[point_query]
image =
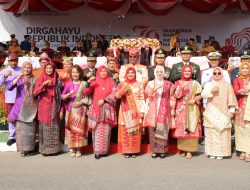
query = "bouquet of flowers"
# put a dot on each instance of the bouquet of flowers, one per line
(134, 43)
(3, 110)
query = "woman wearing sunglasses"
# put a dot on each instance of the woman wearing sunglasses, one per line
(220, 109)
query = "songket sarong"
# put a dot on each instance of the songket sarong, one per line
(101, 138)
(157, 145)
(187, 145)
(130, 143)
(242, 138)
(218, 132)
(218, 143)
(25, 136)
(78, 131)
(77, 121)
(76, 141)
(49, 139)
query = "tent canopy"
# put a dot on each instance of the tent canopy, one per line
(155, 7)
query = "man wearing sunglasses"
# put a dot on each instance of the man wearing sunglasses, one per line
(160, 56)
(176, 72)
(214, 60)
(141, 70)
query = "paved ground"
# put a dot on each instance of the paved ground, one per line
(116, 172)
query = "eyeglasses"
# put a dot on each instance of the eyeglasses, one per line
(219, 73)
(132, 56)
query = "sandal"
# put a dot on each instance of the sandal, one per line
(247, 158)
(78, 154)
(219, 158)
(242, 156)
(189, 155)
(183, 154)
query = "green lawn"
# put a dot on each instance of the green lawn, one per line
(4, 136)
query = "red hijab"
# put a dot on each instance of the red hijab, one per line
(102, 88)
(50, 88)
(126, 75)
(182, 71)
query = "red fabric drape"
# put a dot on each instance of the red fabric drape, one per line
(109, 6)
(204, 6)
(158, 7)
(155, 7)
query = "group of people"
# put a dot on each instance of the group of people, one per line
(165, 102)
(203, 49)
(82, 47)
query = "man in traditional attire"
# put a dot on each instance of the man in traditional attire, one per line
(64, 74)
(6, 77)
(44, 58)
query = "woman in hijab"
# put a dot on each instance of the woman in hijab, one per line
(220, 109)
(157, 115)
(24, 110)
(48, 89)
(131, 113)
(102, 113)
(242, 120)
(187, 128)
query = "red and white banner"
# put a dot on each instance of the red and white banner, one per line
(54, 26)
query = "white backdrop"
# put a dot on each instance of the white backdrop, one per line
(74, 24)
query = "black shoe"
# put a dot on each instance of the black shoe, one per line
(133, 156)
(162, 156)
(154, 155)
(98, 156)
(22, 153)
(126, 155)
(11, 142)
